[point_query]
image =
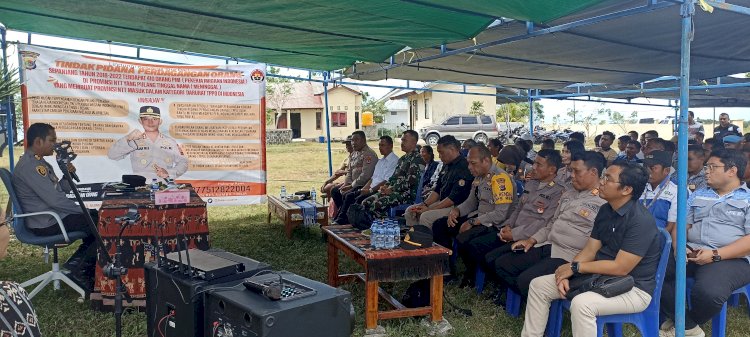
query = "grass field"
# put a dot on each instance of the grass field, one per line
(242, 230)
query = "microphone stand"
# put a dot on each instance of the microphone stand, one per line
(112, 270)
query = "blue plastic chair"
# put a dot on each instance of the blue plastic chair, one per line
(719, 321)
(25, 236)
(647, 321)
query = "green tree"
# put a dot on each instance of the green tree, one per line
(278, 92)
(477, 108)
(633, 117)
(572, 113)
(618, 119)
(378, 108)
(519, 112)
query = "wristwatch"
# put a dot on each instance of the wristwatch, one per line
(574, 267)
(473, 221)
(716, 257)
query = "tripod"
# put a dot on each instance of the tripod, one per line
(113, 268)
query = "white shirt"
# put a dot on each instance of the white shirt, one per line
(384, 169)
(664, 209)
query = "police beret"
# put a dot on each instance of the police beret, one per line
(150, 111)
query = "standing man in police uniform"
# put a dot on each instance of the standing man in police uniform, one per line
(152, 154)
(490, 202)
(402, 186)
(39, 190)
(452, 187)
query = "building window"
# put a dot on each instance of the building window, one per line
(346, 107)
(338, 107)
(426, 108)
(394, 113)
(338, 119)
(330, 108)
(414, 111)
(318, 120)
(356, 107)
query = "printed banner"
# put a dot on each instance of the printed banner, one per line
(203, 125)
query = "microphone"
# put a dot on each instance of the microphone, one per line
(272, 292)
(65, 155)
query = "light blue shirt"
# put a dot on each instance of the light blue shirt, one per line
(664, 208)
(384, 169)
(718, 221)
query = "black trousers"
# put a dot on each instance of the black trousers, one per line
(76, 223)
(443, 234)
(474, 244)
(350, 198)
(714, 283)
(516, 270)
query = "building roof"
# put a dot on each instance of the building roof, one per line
(304, 96)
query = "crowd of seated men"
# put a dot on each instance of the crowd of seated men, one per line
(532, 221)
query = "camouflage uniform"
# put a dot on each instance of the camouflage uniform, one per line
(403, 183)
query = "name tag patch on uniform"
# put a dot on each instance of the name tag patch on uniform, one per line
(42, 170)
(502, 189)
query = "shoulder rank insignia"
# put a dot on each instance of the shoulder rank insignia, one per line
(595, 191)
(551, 183)
(42, 170)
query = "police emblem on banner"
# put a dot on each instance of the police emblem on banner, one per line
(257, 76)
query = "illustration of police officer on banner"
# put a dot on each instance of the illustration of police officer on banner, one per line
(152, 153)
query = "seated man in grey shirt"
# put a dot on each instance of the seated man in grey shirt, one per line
(718, 223)
(38, 189)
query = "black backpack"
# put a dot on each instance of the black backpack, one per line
(359, 216)
(417, 295)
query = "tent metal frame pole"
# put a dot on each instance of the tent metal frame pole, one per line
(536, 33)
(639, 91)
(687, 10)
(531, 113)
(328, 122)
(9, 120)
(669, 105)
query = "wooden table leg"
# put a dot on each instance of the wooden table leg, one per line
(268, 221)
(371, 304)
(288, 227)
(436, 298)
(333, 265)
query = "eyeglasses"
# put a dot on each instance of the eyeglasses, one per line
(711, 167)
(606, 179)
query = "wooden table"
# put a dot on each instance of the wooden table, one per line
(387, 266)
(190, 219)
(291, 214)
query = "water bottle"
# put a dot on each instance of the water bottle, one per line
(154, 188)
(388, 241)
(374, 234)
(396, 234)
(313, 194)
(283, 192)
(380, 235)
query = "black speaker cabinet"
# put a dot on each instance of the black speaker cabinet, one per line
(175, 302)
(307, 309)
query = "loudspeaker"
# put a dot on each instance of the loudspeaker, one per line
(306, 309)
(175, 302)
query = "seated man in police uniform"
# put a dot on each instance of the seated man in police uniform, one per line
(38, 189)
(562, 237)
(152, 153)
(718, 223)
(492, 199)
